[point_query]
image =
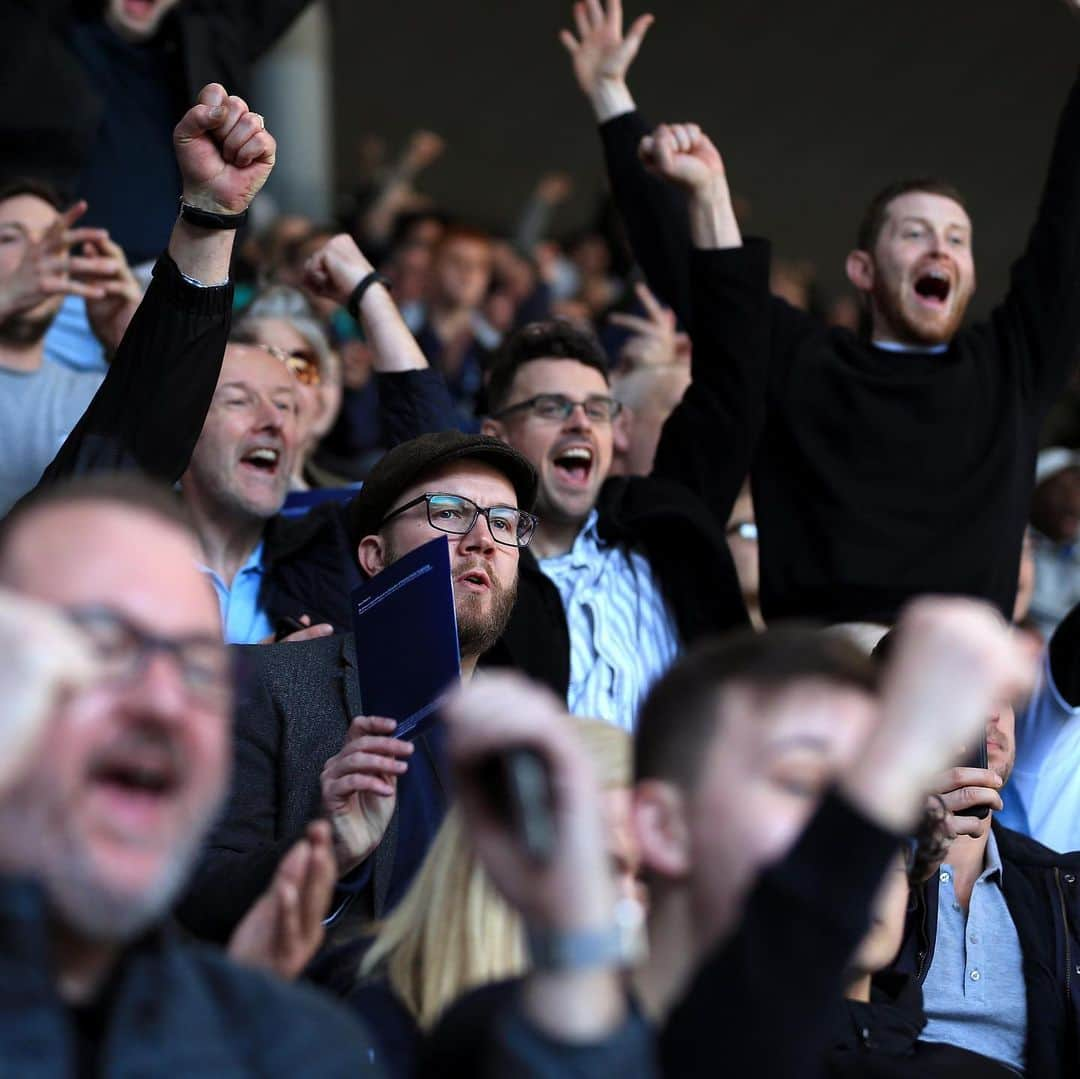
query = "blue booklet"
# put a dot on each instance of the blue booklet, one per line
(406, 638)
(299, 503)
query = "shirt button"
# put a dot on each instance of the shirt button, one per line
(943, 877)
(1069, 878)
(974, 939)
(975, 975)
(956, 906)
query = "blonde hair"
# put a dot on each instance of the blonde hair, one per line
(453, 931)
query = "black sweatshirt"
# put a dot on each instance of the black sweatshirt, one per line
(766, 1002)
(881, 476)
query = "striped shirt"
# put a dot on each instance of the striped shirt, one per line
(622, 634)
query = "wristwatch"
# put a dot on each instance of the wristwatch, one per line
(208, 219)
(621, 944)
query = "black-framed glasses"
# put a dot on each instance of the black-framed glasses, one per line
(556, 407)
(457, 514)
(124, 650)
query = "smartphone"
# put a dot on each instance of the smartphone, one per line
(975, 757)
(517, 785)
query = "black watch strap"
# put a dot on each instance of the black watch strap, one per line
(208, 219)
(352, 305)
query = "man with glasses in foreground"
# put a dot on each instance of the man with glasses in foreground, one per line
(304, 748)
(101, 822)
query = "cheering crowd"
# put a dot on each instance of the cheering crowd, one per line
(782, 598)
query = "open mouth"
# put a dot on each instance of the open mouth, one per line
(150, 778)
(574, 465)
(933, 287)
(475, 580)
(133, 792)
(263, 459)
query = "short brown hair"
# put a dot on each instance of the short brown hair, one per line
(552, 339)
(28, 185)
(681, 713)
(873, 220)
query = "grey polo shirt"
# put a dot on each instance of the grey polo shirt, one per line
(974, 992)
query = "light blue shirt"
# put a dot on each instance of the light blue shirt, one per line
(974, 993)
(1042, 798)
(243, 621)
(914, 350)
(622, 635)
(70, 341)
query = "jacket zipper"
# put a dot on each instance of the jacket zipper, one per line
(1068, 942)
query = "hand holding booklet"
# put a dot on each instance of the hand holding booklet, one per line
(405, 626)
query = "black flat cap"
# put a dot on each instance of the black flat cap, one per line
(406, 464)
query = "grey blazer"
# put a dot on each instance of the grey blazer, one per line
(293, 711)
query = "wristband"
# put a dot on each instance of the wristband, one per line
(621, 944)
(352, 305)
(208, 219)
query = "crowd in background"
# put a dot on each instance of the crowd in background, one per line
(779, 592)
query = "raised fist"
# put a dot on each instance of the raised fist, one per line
(224, 152)
(336, 269)
(684, 155)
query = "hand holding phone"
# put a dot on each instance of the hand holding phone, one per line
(531, 802)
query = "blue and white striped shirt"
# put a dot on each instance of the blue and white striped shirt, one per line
(622, 635)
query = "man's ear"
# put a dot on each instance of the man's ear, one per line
(494, 428)
(860, 270)
(659, 816)
(371, 554)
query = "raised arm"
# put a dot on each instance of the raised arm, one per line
(413, 398)
(571, 1017)
(150, 409)
(654, 213)
(1039, 319)
(708, 442)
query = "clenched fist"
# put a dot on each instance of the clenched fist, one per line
(224, 152)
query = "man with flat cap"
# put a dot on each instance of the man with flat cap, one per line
(303, 746)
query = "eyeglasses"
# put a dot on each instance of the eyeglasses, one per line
(303, 365)
(457, 515)
(553, 406)
(124, 651)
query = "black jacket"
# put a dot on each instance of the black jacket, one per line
(1043, 898)
(879, 1040)
(172, 1008)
